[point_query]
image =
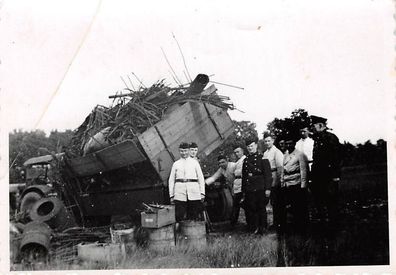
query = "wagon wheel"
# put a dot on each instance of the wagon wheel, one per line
(219, 204)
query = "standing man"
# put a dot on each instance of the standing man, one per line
(305, 144)
(294, 183)
(275, 158)
(239, 153)
(256, 186)
(186, 186)
(193, 150)
(281, 144)
(226, 169)
(326, 169)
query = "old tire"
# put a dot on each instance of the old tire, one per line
(35, 242)
(53, 212)
(28, 201)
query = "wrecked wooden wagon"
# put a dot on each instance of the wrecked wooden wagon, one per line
(114, 181)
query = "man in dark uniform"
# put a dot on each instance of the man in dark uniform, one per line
(256, 186)
(325, 172)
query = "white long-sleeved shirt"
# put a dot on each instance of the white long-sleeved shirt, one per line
(294, 169)
(228, 173)
(306, 146)
(238, 174)
(182, 169)
(275, 158)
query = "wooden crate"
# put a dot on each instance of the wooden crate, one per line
(160, 217)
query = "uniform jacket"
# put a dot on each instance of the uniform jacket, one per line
(238, 175)
(188, 168)
(275, 158)
(326, 156)
(256, 173)
(294, 169)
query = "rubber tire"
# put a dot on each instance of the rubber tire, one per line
(56, 217)
(28, 201)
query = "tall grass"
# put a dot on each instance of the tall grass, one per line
(227, 251)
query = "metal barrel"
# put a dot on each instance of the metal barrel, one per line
(52, 211)
(192, 234)
(35, 240)
(161, 239)
(101, 252)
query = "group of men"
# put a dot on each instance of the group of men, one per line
(281, 176)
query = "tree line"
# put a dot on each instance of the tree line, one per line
(26, 144)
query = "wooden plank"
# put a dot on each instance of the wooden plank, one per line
(222, 120)
(113, 157)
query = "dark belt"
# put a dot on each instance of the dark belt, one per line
(273, 170)
(186, 180)
(238, 177)
(292, 173)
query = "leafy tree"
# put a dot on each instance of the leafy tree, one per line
(242, 130)
(289, 125)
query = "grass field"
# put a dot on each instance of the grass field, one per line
(360, 238)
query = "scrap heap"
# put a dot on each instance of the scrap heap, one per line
(134, 112)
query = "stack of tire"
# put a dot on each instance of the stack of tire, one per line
(43, 214)
(40, 207)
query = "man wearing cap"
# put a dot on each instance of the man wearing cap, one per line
(193, 150)
(326, 169)
(256, 186)
(305, 144)
(275, 158)
(186, 185)
(294, 184)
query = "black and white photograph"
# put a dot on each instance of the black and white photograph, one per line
(211, 136)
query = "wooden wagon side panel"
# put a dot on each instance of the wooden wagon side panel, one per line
(204, 124)
(110, 158)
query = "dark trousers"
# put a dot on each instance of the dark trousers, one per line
(236, 208)
(325, 196)
(297, 198)
(278, 205)
(256, 202)
(188, 210)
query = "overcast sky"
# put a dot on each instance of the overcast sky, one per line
(333, 58)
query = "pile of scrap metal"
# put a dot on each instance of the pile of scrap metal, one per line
(37, 243)
(136, 111)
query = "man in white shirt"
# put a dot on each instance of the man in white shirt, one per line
(186, 186)
(294, 183)
(226, 169)
(238, 195)
(305, 144)
(275, 158)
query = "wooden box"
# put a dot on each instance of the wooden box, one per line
(161, 217)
